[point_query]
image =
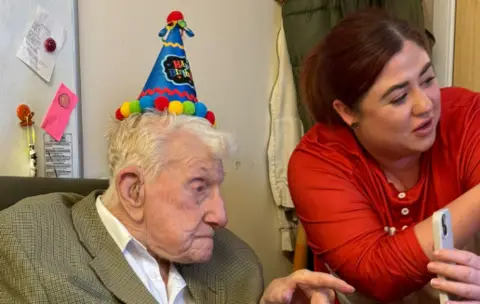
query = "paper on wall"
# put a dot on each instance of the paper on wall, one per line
(58, 114)
(33, 52)
(58, 156)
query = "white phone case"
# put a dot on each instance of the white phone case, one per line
(443, 238)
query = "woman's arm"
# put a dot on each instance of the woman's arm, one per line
(465, 215)
(343, 227)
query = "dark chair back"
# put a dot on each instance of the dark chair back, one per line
(14, 189)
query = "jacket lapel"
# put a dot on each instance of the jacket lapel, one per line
(108, 261)
(204, 286)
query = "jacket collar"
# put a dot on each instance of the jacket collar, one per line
(108, 261)
(109, 264)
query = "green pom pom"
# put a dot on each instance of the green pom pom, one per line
(188, 108)
(135, 107)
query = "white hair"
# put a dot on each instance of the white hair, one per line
(139, 140)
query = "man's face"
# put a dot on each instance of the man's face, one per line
(183, 205)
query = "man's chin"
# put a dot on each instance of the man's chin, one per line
(204, 259)
(196, 257)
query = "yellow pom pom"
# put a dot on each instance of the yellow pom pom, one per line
(125, 109)
(175, 107)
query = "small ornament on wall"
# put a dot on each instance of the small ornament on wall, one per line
(25, 115)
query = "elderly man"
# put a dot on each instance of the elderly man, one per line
(154, 236)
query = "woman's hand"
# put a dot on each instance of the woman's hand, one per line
(462, 279)
(304, 287)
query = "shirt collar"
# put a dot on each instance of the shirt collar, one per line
(115, 228)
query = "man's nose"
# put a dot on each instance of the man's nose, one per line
(216, 215)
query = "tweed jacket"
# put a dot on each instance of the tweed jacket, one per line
(55, 249)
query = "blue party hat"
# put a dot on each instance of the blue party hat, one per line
(170, 85)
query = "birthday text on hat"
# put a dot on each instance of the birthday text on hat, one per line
(177, 70)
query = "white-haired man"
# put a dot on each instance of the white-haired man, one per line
(154, 236)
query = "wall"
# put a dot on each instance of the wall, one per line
(232, 60)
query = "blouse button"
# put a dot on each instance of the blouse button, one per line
(405, 211)
(401, 195)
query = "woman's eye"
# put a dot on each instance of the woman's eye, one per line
(399, 99)
(428, 81)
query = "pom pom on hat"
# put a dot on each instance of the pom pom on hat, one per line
(175, 107)
(210, 117)
(188, 107)
(135, 107)
(175, 16)
(118, 115)
(125, 109)
(161, 103)
(147, 102)
(200, 109)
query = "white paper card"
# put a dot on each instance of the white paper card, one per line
(58, 156)
(33, 52)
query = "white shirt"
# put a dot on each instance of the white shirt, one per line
(144, 265)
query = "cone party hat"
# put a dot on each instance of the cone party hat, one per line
(170, 86)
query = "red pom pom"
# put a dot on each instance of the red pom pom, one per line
(175, 16)
(119, 115)
(210, 117)
(161, 103)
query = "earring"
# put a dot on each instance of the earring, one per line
(355, 125)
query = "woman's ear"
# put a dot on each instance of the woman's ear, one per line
(346, 113)
(129, 184)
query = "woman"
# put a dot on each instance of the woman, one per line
(389, 149)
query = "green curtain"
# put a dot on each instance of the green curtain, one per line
(306, 22)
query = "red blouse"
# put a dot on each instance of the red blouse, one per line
(348, 208)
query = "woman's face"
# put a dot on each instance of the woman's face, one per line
(400, 112)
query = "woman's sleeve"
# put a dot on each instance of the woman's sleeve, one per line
(343, 228)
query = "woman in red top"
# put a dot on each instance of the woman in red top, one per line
(389, 149)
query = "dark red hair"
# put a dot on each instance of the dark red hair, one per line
(346, 63)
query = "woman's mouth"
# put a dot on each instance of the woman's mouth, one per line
(424, 129)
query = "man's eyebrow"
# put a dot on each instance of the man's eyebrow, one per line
(404, 84)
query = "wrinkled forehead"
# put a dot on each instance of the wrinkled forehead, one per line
(188, 153)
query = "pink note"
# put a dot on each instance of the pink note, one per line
(58, 114)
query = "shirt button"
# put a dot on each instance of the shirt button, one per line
(405, 211)
(404, 227)
(401, 195)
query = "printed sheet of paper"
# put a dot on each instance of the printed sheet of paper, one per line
(33, 52)
(58, 114)
(58, 156)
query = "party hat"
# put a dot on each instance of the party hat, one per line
(170, 86)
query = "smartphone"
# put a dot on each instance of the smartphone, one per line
(443, 238)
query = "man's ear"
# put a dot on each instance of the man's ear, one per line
(345, 112)
(129, 183)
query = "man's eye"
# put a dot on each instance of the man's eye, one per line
(200, 188)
